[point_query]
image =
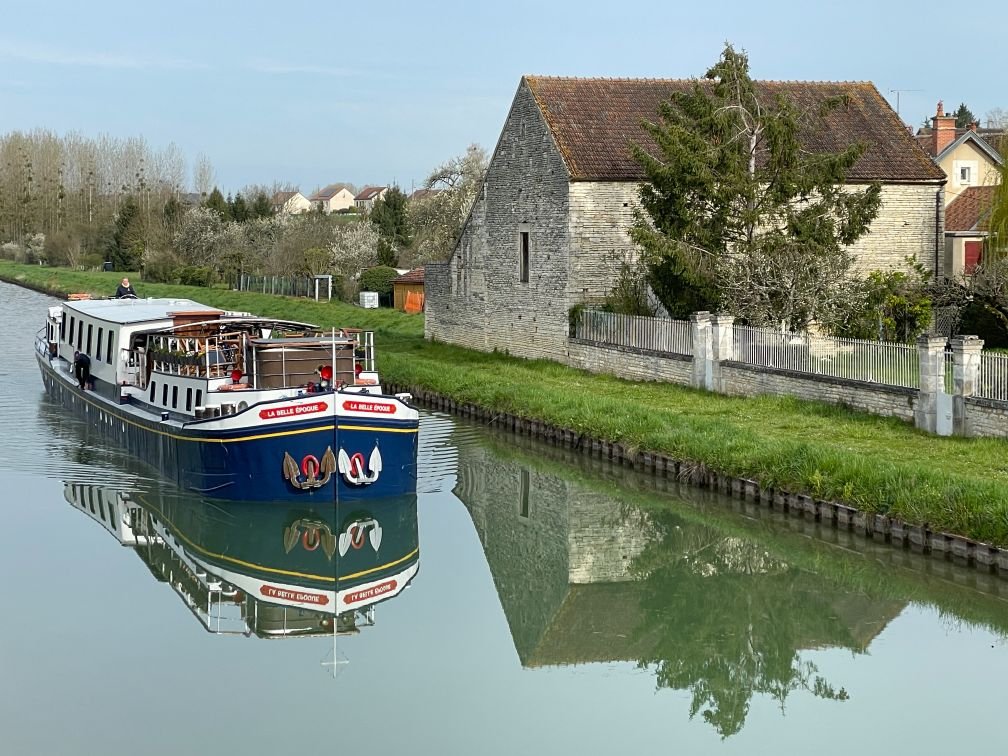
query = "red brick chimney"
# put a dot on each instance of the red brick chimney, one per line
(944, 131)
(973, 126)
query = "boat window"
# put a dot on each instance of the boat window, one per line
(63, 327)
(90, 329)
(164, 395)
(72, 324)
(199, 397)
(153, 388)
(98, 350)
(80, 335)
(174, 397)
(188, 400)
(111, 338)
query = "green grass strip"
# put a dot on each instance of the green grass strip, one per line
(878, 464)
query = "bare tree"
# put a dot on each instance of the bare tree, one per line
(204, 177)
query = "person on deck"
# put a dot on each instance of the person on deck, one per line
(82, 370)
(125, 290)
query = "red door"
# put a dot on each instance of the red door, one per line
(974, 249)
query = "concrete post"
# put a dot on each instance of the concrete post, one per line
(722, 347)
(931, 352)
(966, 351)
(700, 329)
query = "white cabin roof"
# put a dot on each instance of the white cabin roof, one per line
(136, 310)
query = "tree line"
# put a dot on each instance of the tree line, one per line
(78, 201)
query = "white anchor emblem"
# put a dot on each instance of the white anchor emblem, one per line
(353, 470)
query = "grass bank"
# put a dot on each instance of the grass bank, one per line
(876, 464)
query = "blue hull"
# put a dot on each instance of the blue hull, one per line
(278, 462)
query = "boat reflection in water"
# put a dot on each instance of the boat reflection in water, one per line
(269, 569)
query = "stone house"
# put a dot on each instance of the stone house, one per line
(549, 228)
(333, 198)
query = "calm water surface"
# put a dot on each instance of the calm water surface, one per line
(561, 607)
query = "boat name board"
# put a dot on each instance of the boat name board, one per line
(292, 410)
(285, 594)
(353, 405)
(370, 593)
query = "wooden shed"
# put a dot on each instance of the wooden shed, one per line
(408, 291)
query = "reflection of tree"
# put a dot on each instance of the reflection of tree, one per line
(730, 619)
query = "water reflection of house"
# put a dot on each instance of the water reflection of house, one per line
(566, 556)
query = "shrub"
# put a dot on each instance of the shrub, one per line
(195, 275)
(378, 279)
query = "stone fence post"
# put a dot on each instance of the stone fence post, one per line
(966, 355)
(700, 330)
(722, 347)
(931, 353)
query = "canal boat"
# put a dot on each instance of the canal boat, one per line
(233, 405)
(273, 570)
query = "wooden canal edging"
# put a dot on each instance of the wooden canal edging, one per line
(877, 527)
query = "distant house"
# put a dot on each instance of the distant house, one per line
(290, 203)
(966, 229)
(192, 199)
(550, 226)
(409, 288)
(333, 198)
(965, 155)
(365, 200)
(422, 194)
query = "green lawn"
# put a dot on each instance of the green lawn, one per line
(878, 464)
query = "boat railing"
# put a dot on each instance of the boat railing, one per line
(196, 356)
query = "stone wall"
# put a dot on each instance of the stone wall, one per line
(985, 417)
(525, 191)
(627, 362)
(739, 379)
(905, 227)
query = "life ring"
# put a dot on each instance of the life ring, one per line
(310, 461)
(313, 544)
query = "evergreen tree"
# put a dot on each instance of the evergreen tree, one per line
(216, 202)
(390, 217)
(128, 239)
(964, 116)
(261, 206)
(738, 215)
(239, 208)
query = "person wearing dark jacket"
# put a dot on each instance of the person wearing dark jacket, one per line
(82, 369)
(125, 291)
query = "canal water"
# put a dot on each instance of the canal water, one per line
(561, 607)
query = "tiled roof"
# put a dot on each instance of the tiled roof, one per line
(424, 193)
(970, 211)
(370, 192)
(415, 276)
(279, 198)
(328, 192)
(595, 120)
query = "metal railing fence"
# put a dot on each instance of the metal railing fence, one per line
(638, 332)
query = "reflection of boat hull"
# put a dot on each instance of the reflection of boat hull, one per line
(248, 463)
(328, 559)
(284, 569)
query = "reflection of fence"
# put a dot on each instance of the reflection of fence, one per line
(638, 332)
(855, 359)
(992, 380)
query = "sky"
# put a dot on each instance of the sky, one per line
(382, 91)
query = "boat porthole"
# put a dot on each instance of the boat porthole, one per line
(242, 406)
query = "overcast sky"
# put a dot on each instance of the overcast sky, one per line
(381, 91)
